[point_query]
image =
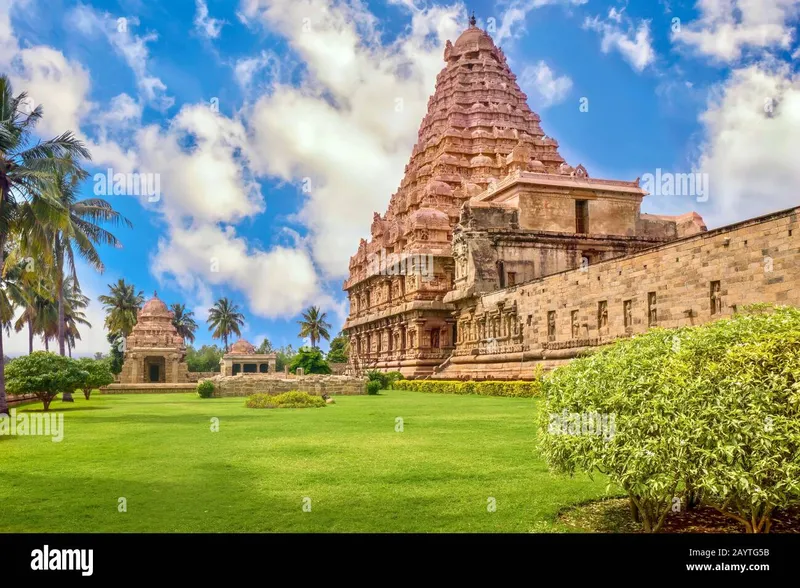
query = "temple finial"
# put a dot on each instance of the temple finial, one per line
(472, 21)
(155, 294)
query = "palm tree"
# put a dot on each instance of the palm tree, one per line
(26, 167)
(74, 303)
(77, 232)
(314, 326)
(224, 319)
(122, 306)
(183, 321)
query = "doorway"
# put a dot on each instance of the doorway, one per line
(153, 373)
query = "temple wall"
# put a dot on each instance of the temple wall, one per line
(671, 285)
(247, 384)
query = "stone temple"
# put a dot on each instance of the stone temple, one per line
(154, 352)
(496, 255)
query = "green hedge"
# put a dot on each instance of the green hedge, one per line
(488, 388)
(294, 399)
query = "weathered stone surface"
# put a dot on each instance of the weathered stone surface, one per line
(486, 201)
(154, 348)
(504, 333)
(247, 384)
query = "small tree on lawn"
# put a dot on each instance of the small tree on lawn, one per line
(44, 374)
(99, 374)
(311, 360)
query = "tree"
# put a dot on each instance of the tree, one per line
(117, 353)
(224, 320)
(77, 232)
(26, 167)
(313, 326)
(183, 321)
(339, 351)
(98, 374)
(122, 306)
(44, 374)
(74, 303)
(285, 357)
(311, 360)
(205, 359)
(265, 347)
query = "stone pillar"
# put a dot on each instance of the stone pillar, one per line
(175, 376)
(134, 368)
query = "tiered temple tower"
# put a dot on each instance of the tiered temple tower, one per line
(481, 158)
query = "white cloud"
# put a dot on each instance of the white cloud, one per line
(751, 143)
(727, 28)
(359, 93)
(619, 33)
(131, 47)
(513, 15)
(204, 24)
(543, 87)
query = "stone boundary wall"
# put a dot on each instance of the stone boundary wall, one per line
(148, 388)
(754, 261)
(193, 377)
(247, 384)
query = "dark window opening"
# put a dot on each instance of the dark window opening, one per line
(581, 216)
(501, 274)
(263, 368)
(512, 278)
(250, 368)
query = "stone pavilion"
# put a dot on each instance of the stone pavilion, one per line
(243, 359)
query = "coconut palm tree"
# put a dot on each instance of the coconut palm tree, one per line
(78, 232)
(313, 326)
(26, 167)
(74, 303)
(122, 305)
(224, 319)
(183, 321)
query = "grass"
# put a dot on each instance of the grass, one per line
(159, 453)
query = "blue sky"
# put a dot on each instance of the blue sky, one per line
(273, 129)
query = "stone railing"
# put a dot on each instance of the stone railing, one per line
(245, 385)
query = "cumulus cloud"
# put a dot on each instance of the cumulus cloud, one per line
(514, 12)
(726, 29)
(131, 47)
(204, 24)
(543, 87)
(620, 33)
(358, 93)
(751, 143)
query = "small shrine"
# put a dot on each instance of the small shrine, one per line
(243, 359)
(154, 351)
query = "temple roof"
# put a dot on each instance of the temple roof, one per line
(242, 347)
(154, 327)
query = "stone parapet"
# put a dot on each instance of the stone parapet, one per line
(247, 384)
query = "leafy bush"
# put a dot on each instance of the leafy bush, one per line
(205, 389)
(711, 410)
(386, 379)
(205, 359)
(373, 387)
(489, 388)
(292, 399)
(311, 360)
(44, 374)
(339, 351)
(98, 375)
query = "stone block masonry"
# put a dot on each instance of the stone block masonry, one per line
(691, 281)
(247, 384)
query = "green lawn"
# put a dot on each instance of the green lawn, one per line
(159, 453)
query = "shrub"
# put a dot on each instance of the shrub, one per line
(381, 377)
(98, 375)
(373, 387)
(310, 360)
(205, 388)
(45, 375)
(393, 377)
(489, 388)
(292, 399)
(712, 410)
